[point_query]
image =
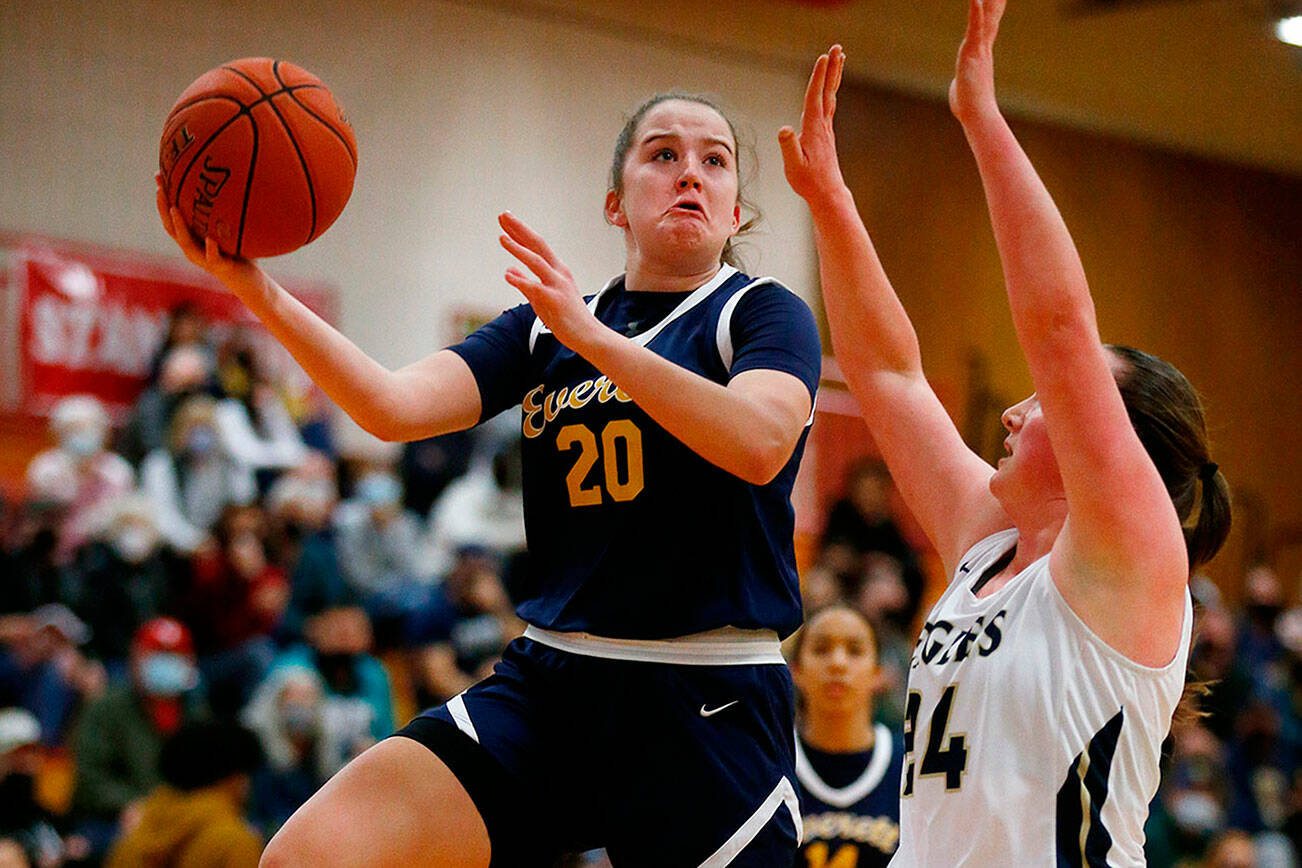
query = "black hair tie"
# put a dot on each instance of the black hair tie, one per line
(1208, 470)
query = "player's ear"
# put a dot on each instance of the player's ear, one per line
(736, 218)
(615, 215)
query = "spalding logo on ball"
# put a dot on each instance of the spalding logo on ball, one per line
(258, 155)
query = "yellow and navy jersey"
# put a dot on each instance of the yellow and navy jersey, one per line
(631, 534)
(849, 803)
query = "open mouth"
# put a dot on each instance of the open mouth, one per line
(688, 206)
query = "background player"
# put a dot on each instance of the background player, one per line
(1045, 678)
(848, 767)
(664, 419)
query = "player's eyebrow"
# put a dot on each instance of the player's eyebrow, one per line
(653, 135)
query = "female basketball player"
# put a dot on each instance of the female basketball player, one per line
(1045, 678)
(647, 709)
(848, 768)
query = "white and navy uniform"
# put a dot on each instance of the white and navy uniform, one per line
(850, 803)
(647, 709)
(1028, 740)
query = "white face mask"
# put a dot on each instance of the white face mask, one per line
(135, 544)
(1196, 812)
(83, 442)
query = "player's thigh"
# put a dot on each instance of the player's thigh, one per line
(395, 805)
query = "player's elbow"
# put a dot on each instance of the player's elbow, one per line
(763, 459)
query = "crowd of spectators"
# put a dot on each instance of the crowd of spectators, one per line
(207, 609)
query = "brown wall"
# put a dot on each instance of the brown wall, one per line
(1195, 261)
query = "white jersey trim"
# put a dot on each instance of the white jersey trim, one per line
(723, 332)
(698, 295)
(727, 646)
(461, 716)
(844, 797)
(783, 794)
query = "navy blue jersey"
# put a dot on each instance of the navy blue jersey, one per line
(850, 804)
(631, 534)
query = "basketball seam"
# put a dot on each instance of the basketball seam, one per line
(242, 74)
(248, 188)
(325, 123)
(302, 161)
(206, 141)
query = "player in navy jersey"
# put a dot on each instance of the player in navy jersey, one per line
(848, 767)
(647, 708)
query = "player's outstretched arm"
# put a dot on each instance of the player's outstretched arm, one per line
(944, 483)
(1122, 532)
(432, 396)
(749, 427)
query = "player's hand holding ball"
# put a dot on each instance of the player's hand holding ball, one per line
(256, 159)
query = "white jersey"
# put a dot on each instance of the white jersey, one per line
(1029, 741)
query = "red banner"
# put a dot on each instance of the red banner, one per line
(82, 321)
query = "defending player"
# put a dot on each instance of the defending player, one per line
(647, 709)
(847, 767)
(1044, 680)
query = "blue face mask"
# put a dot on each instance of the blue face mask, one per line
(379, 490)
(163, 674)
(201, 441)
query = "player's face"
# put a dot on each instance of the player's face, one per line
(679, 203)
(836, 670)
(1030, 466)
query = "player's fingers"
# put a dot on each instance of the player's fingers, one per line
(972, 36)
(530, 259)
(814, 92)
(181, 235)
(792, 156)
(994, 13)
(530, 289)
(160, 199)
(836, 60)
(520, 231)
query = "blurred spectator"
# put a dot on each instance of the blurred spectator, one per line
(32, 575)
(118, 739)
(43, 670)
(196, 818)
(377, 538)
(301, 505)
(360, 705)
(289, 714)
(428, 466)
(186, 327)
(78, 477)
(253, 421)
(1260, 765)
(861, 523)
(1213, 660)
(484, 508)
(193, 479)
(233, 604)
(463, 629)
(24, 822)
(122, 580)
(1231, 849)
(1260, 651)
(883, 598)
(185, 371)
(1192, 801)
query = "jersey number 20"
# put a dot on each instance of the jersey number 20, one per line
(622, 486)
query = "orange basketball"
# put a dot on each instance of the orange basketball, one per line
(259, 156)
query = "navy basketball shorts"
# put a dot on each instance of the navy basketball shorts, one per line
(665, 765)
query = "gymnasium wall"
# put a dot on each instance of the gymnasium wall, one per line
(1195, 261)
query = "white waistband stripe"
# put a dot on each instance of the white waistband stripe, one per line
(727, 647)
(461, 716)
(783, 793)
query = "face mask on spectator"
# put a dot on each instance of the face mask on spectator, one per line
(299, 719)
(1197, 813)
(200, 441)
(83, 442)
(167, 675)
(134, 544)
(378, 489)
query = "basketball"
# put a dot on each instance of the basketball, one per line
(258, 155)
